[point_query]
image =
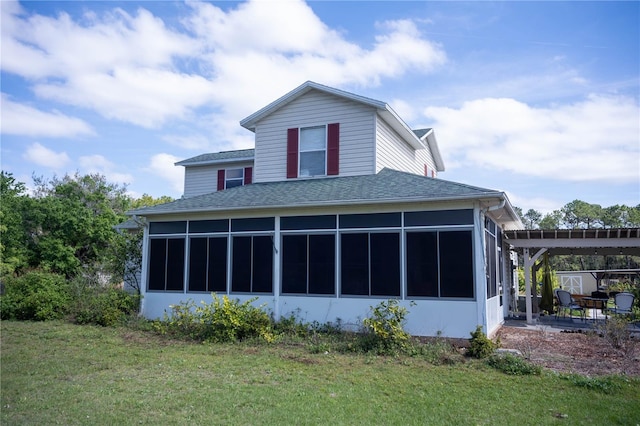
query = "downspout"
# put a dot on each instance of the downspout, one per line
(481, 231)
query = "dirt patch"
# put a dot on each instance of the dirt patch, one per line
(567, 352)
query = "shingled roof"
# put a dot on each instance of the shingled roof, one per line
(388, 186)
(219, 157)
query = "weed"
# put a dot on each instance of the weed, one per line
(513, 365)
(607, 384)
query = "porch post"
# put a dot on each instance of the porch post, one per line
(527, 285)
(528, 263)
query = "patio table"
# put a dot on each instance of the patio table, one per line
(594, 303)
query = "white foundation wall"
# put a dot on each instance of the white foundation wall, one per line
(448, 318)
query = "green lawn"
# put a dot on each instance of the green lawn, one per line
(58, 373)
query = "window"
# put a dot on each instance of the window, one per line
(208, 264)
(370, 264)
(166, 264)
(313, 151)
(308, 264)
(252, 264)
(440, 264)
(230, 178)
(233, 178)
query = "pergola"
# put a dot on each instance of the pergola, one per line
(534, 243)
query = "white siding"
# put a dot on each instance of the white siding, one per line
(357, 125)
(200, 180)
(393, 152)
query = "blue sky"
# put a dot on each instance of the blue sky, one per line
(538, 99)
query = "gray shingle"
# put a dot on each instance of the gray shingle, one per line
(421, 132)
(218, 157)
(386, 186)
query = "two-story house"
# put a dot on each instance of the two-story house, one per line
(337, 208)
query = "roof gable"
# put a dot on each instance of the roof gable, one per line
(383, 110)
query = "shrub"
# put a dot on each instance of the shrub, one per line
(36, 295)
(514, 365)
(106, 306)
(291, 326)
(222, 320)
(480, 345)
(385, 332)
(615, 330)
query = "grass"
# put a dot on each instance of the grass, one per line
(60, 373)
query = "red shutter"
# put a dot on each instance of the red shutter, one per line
(220, 180)
(248, 175)
(292, 153)
(333, 149)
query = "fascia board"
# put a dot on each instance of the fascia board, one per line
(430, 138)
(397, 124)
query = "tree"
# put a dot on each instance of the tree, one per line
(581, 215)
(13, 240)
(551, 220)
(70, 226)
(532, 219)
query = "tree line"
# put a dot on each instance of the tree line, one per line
(66, 226)
(582, 215)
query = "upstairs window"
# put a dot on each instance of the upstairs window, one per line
(313, 151)
(233, 178)
(230, 178)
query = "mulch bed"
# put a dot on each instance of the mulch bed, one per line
(584, 353)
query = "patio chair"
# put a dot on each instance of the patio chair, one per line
(566, 302)
(624, 304)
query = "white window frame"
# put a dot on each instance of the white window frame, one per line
(235, 179)
(302, 151)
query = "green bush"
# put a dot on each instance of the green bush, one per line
(480, 345)
(514, 365)
(106, 306)
(222, 320)
(36, 295)
(384, 329)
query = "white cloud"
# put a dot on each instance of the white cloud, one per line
(122, 66)
(23, 120)
(163, 166)
(131, 67)
(146, 97)
(260, 50)
(189, 141)
(593, 140)
(43, 156)
(99, 164)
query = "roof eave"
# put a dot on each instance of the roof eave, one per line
(430, 138)
(210, 162)
(475, 197)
